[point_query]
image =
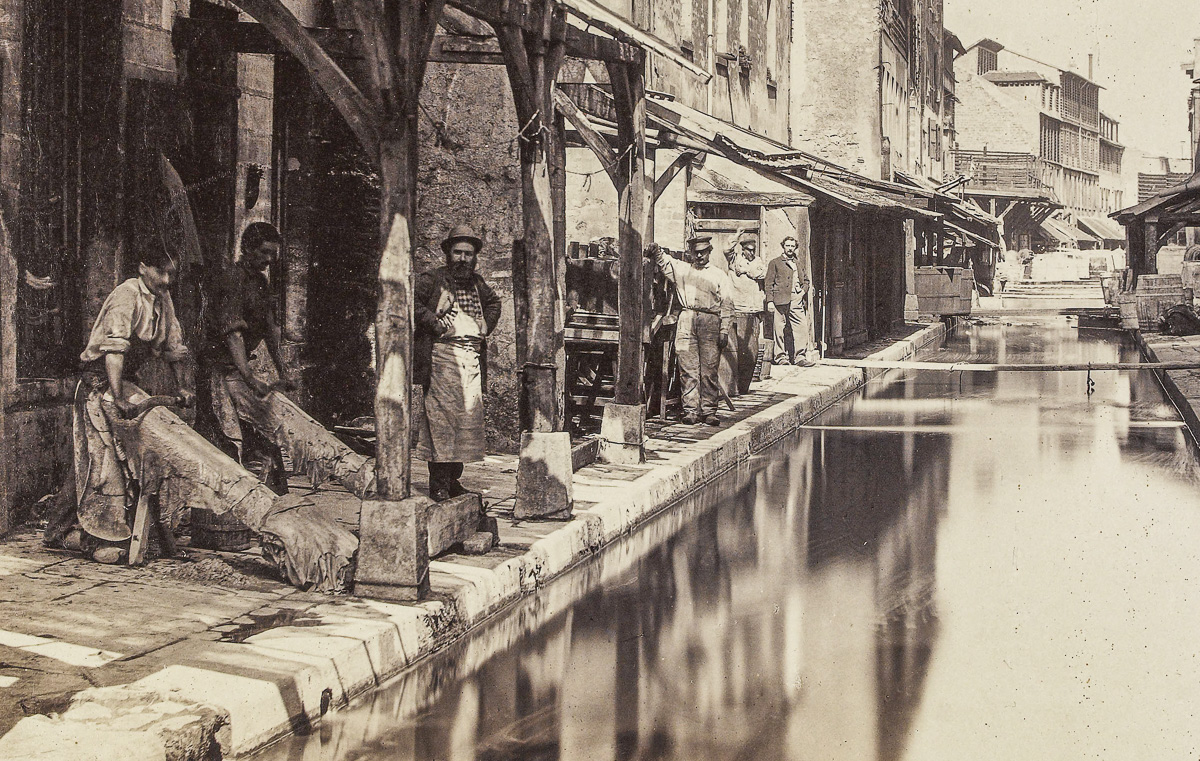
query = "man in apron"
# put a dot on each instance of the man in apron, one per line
(454, 311)
(705, 295)
(136, 322)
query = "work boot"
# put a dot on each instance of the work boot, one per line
(712, 420)
(690, 418)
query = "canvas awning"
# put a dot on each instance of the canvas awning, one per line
(1101, 228)
(721, 180)
(1065, 233)
(771, 158)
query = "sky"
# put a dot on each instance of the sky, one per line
(1139, 47)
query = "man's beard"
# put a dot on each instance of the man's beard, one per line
(461, 271)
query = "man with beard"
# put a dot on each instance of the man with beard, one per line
(454, 312)
(787, 286)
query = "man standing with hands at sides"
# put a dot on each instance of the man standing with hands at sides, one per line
(787, 286)
(454, 311)
(746, 273)
(705, 295)
(244, 318)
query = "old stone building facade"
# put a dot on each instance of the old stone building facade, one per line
(1030, 130)
(873, 87)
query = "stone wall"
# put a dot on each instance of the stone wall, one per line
(987, 117)
(835, 87)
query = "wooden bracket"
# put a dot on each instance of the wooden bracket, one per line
(591, 138)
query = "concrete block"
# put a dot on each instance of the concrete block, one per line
(622, 434)
(393, 550)
(489, 525)
(479, 544)
(44, 739)
(452, 522)
(911, 310)
(258, 712)
(545, 477)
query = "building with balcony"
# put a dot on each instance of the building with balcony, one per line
(1033, 140)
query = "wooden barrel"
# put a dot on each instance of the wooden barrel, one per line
(222, 532)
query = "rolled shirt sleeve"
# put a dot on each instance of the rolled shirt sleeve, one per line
(113, 329)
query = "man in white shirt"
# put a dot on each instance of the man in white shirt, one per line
(704, 293)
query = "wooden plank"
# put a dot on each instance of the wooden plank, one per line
(1008, 367)
(595, 142)
(750, 198)
(451, 49)
(141, 531)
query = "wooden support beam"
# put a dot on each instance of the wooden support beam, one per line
(579, 43)
(672, 171)
(452, 49)
(596, 142)
(252, 37)
(1150, 252)
(362, 116)
(635, 192)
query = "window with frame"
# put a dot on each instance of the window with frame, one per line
(987, 61)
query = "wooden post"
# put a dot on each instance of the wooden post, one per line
(1150, 252)
(629, 94)
(532, 59)
(622, 432)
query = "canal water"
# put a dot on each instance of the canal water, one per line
(945, 566)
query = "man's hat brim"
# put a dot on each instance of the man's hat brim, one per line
(449, 242)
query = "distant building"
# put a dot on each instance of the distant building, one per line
(1038, 149)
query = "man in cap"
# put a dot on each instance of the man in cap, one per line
(746, 272)
(787, 286)
(455, 310)
(705, 296)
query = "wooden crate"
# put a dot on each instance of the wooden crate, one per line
(944, 290)
(1156, 294)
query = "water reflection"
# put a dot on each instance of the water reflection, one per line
(917, 579)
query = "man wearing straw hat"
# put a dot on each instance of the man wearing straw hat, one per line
(454, 312)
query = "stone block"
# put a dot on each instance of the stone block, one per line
(393, 551)
(489, 525)
(452, 522)
(480, 543)
(544, 477)
(622, 434)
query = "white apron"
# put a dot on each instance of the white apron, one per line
(452, 426)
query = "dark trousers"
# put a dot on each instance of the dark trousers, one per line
(444, 475)
(744, 340)
(696, 337)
